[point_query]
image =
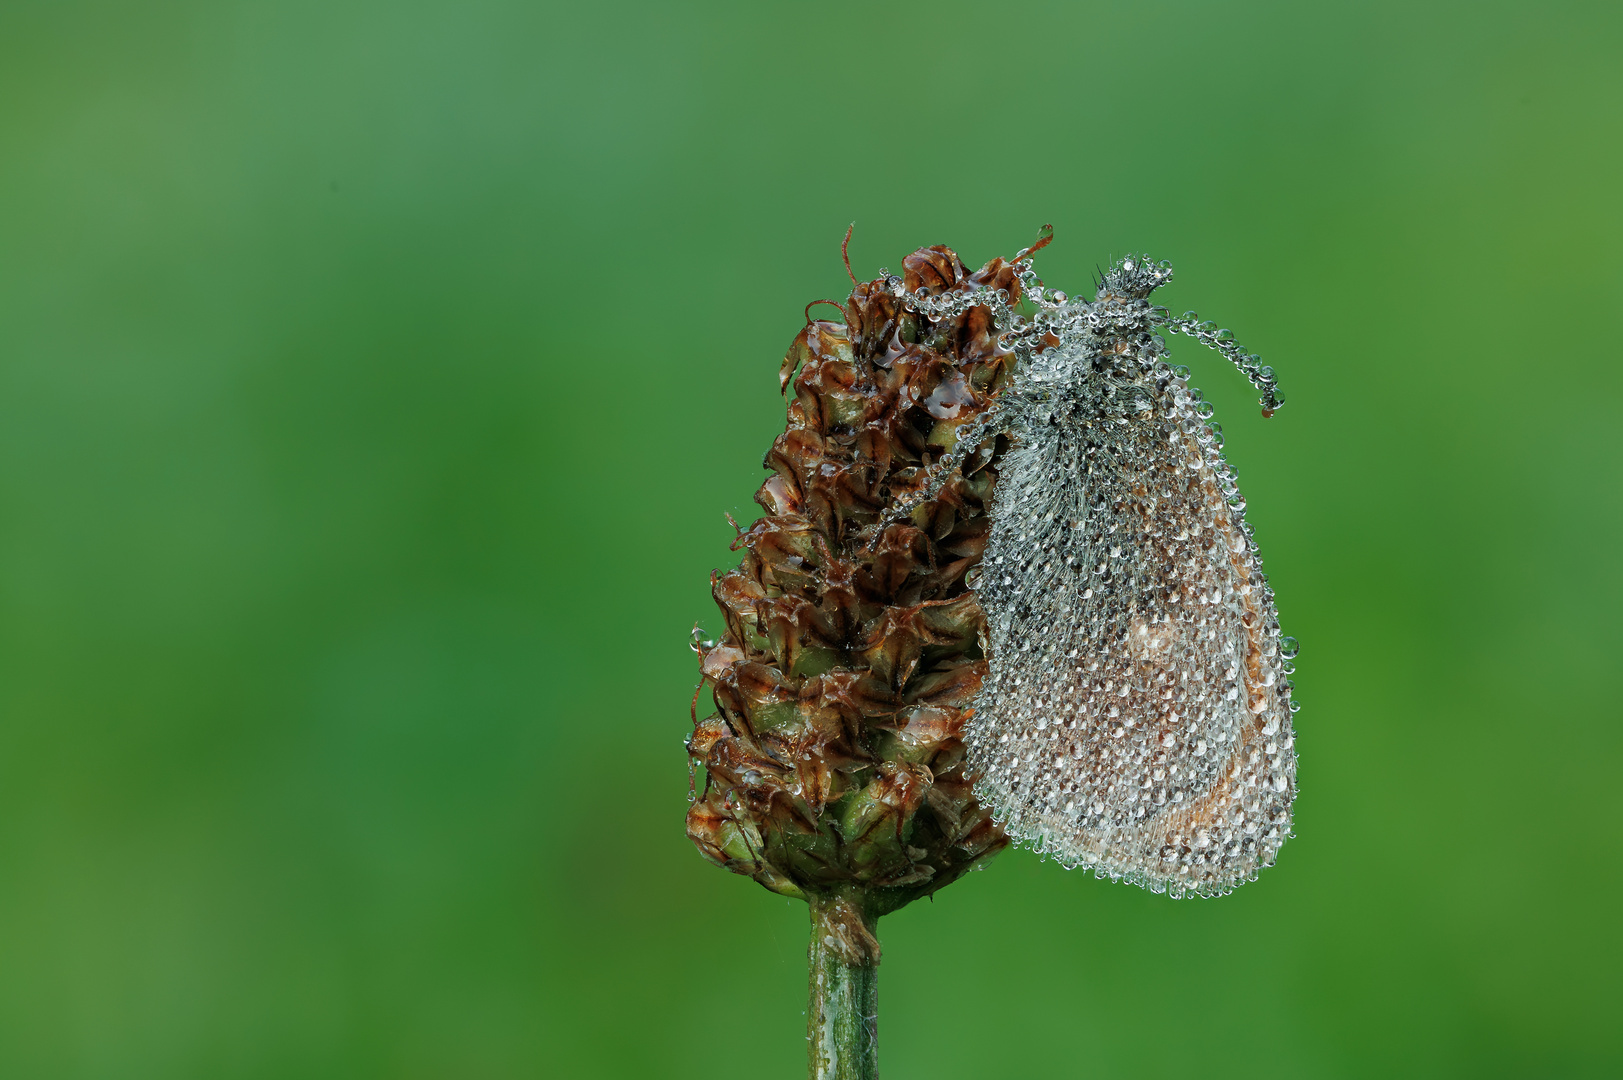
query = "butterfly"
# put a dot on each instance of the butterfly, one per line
(1136, 716)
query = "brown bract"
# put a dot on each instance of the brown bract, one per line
(834, 763)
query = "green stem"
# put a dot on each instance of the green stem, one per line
(842, 1017)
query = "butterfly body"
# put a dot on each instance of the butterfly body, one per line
(1136, 714)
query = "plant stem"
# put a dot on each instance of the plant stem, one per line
(842, 1017)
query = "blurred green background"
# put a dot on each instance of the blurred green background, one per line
(374, 378)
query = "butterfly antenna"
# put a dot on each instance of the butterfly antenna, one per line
(1250, 364)
(937, 473)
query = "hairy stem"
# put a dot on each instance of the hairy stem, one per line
(842, 1017)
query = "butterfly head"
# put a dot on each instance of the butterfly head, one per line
(1132, 278)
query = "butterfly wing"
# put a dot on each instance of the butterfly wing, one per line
(1136, 717)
